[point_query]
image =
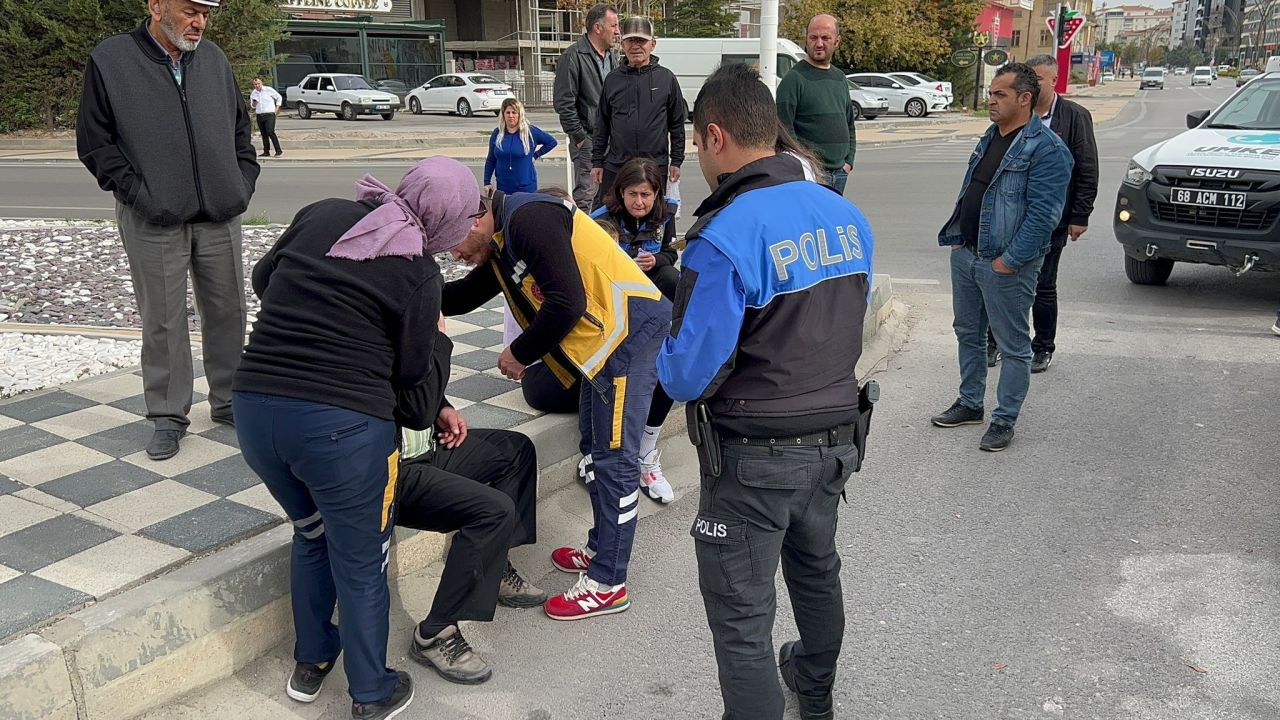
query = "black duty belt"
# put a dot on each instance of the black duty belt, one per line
(836, 436)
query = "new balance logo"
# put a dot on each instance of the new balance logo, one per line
(589, 603)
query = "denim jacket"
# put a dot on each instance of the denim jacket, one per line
(1024, 202)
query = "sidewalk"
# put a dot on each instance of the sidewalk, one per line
(363, 141)
(125, 583)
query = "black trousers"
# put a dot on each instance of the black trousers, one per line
(1044, 310)
(543, 391)
(769, 504)
(267, 126)
(486, 489)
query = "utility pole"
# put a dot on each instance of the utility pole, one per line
(769, 44)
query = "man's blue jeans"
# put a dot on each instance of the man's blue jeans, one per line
(837, 179)
(982, 297)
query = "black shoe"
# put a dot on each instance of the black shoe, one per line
(305, 682)
(957, 415)
(164, 444)
(811, 707)
(264, 155)
(993, 356)
(996, 438)
(451, 656)
(392, 706)
(279, 153)
(1041, 361)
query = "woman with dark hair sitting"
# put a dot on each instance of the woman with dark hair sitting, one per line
(646, 221)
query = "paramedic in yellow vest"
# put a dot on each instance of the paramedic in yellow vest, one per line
(581, 303)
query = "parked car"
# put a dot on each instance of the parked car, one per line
(1108, 76)
(396, 87)
(1202, 75)
(1246, 75)
(1152, 77)
(461, 93)
(1208, 195)
(866, 105)
(912, 79)
(347, 96)
(916, 101)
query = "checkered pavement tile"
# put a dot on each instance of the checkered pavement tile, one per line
(84, 512)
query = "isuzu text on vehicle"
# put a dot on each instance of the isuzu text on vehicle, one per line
(1209, 195)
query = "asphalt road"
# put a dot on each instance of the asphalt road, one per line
(1117, 563)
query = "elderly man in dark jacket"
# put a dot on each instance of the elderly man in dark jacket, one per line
(163, 127)
(1071, 122)
(580, 76)
(641, 112)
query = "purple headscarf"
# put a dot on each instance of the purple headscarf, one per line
(428, 212)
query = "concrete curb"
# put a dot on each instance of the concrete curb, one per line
(206, 620)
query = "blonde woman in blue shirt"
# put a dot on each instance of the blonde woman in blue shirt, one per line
(513, 146)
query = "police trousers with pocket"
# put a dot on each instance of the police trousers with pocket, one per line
(771, 504)
(612, 422)
(334, 472)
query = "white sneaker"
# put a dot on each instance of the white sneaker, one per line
(652, 481)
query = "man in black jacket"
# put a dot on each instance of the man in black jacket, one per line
(641, 112)
(1074, 125)
(163, 127)
(580, 75)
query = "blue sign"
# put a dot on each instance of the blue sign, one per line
(1108, 58)
(1077, 59)
(1260, 139)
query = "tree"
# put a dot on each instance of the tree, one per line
(885, 35)
(44, 45)
(1129, 54)
(696, 18)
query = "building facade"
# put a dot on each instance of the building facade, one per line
(1128, 19)
(1179, 27)
(1259, 32)
(1031, 34)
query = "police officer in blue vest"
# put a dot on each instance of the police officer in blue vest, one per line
(766, 331)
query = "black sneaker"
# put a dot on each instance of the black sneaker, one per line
(392, 706)
(264, 155)
(993, 356)
(1041, 361)
(811, 707)
(164, 444)
(957, 415)
(305, 682)
(451, 656)
(996, 438)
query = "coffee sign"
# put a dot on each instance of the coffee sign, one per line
(362, 6)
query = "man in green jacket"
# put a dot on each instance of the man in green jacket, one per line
(814, 104)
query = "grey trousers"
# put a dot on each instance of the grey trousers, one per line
(584, 188)
(160, 258)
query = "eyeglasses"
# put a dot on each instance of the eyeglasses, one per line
(479, 213)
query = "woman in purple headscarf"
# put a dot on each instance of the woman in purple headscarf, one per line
(350, 303)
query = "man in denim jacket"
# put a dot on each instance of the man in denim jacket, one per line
(998, 233)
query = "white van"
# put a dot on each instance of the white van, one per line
(694, 59)
(1273, 64)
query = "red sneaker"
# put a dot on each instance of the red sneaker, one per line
(588, 598)
(570, 559)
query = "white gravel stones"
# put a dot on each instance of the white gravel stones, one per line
(76, 273)
(30, 362)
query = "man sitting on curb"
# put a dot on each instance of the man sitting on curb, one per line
(481, 483)
(484, 484)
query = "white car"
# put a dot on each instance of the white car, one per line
(915, 78)
(1180, 71)
(1108, 76)
(867, 106)
(463, 93)
(915, 101)
(347, 96)
(1202, 75)
(1209, 195)
(1152, 77)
